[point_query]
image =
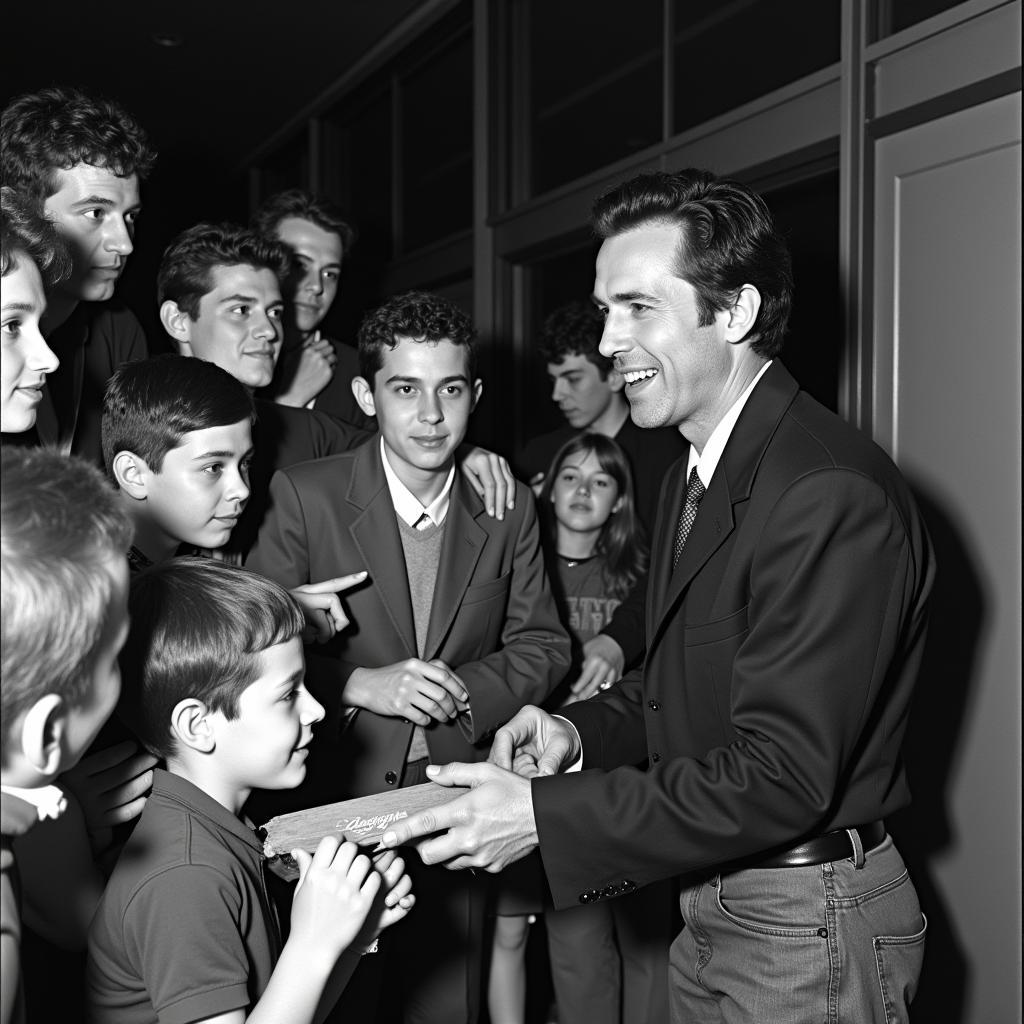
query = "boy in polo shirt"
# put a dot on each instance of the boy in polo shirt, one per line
(64, 619)
(186, 930)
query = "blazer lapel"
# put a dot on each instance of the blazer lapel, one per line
(375, 532)
(731, 484)
(464, 539)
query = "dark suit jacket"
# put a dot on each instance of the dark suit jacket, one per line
(782, 652)
(493, 618)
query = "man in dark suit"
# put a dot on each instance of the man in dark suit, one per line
(785, 627)
(454, 631)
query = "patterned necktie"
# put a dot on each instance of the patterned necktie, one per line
(694, 492)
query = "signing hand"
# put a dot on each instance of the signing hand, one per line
(420, 691)
(490, 827)
(603, 662)
(320, 602)
(111, 787)
(489, 475)
(535, 743)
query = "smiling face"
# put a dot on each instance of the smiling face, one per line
(422, 397)
(201, 487)
(315, 282)
(677, 372)
(265, 745)
(25, 358)
(239, 324)
(95, 211)
(584, 495)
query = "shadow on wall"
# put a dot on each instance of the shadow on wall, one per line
(924, 829)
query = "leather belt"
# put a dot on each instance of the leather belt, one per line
(831, 846)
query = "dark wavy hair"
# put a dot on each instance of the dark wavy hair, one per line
(151, 404)
(198, 629)
(727, 239)
(574, 329)
(297, 202)
(420, 316)
(60, 525)
(622, 541)
(186, 268)
(24, 231)
(58, 127)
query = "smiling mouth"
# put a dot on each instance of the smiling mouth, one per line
(633, 377)
(432, 441)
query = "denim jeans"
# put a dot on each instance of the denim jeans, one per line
(835, 942)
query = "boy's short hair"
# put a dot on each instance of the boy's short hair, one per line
(297, 202)
(150, 405)
(186, 269)
(59, 522)
(574, 329)
(59, 127)
(421, 316)
(25, 232)
(198, 627)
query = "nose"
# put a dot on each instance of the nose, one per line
(430, 408)
(41, 357)
(312, 710)
(583, 488)
(313, 282)
(558, 390)
(264, 328)
(119, 237)
(238, 486)
(613, 338)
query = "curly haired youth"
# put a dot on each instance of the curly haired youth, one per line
(574, 329)
(727, 239)
(419, 316)
(59, 127)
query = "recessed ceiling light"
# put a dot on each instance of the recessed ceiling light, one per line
(169, 40)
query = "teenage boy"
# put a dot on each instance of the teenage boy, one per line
(314, 371)
(219, 289)
(456, 629)
(185, 930)
(64, 619)
(82, 158)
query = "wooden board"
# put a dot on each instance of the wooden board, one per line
(363, 821)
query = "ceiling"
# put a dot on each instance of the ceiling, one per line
(241, 72)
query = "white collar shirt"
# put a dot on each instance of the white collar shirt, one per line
(408, 507)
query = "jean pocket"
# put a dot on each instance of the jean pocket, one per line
(898, 959)
(771, 902)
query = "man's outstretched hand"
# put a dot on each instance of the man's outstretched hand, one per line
(535, 743)
(489, 828)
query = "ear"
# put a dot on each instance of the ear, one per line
(364, 395)
(131, 473)
(478, 390)
(178, 324)
(741, 315)
(192, 725)
(617, 505)
(42, 734)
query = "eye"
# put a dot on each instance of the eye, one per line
(602, 312)
(639, 308)
(290, 695)
(242, 310)
(11, 328)
(331, 275)
(244, 467)
(452, 390)
(403, 389)
(95, 213)
(131, 217)
(214, 469)
(275, 313)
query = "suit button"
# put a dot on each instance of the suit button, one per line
(390, 778)
(655, 757)
(653, 705)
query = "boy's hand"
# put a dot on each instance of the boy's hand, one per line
(322, 606)
(111, 787)
(420, 691)
(308, 371)
(393, 902)
(489, 475)
(336, 889)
